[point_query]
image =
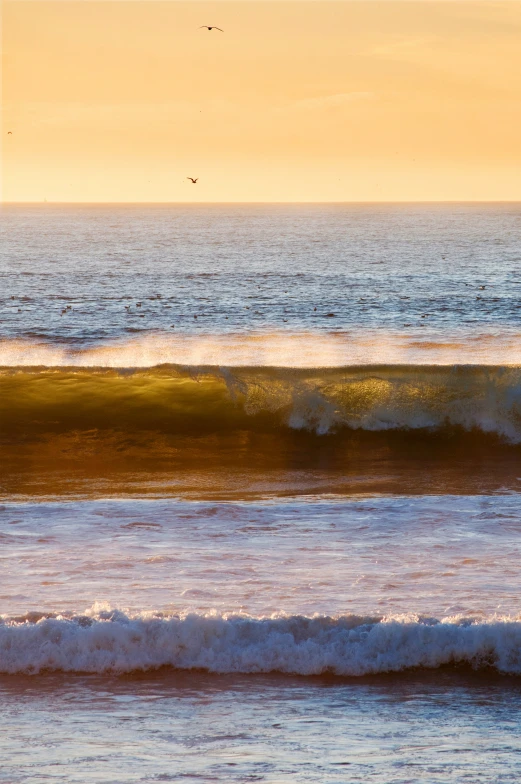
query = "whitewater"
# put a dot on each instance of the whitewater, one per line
(112, 642)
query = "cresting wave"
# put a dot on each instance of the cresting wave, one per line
(110, 641)
(335, 349)
(202, 399)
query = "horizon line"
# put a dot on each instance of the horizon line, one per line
(224, 203)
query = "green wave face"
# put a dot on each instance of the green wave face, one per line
(173, 399)
(209, 432)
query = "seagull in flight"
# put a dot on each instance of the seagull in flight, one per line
(207, 27)
(192, 180)
(9, 133)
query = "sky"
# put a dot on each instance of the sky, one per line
(358, 100)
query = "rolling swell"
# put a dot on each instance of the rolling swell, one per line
(110, 641)
(199, 400)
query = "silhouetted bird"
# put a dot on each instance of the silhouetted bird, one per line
(9, 133)
(192, 179)
(207, 27)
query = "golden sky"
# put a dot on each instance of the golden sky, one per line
(363, 100)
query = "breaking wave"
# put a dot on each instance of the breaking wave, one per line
(110, 641)
(203, 399)
(273, 348)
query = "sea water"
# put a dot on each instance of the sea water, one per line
(259, 479)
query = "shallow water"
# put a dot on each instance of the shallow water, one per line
(376, 555)
(172, 727)
(244, 444)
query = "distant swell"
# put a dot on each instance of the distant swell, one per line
(109, 641)
(203, 399)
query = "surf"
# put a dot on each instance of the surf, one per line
(197, 400)
(104, 640)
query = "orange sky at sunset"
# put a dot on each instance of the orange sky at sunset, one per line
(296, 101)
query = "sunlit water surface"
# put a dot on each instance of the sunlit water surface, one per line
(251, 574)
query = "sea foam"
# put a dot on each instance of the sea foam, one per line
(111, 641)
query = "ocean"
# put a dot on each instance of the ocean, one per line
(260, 478)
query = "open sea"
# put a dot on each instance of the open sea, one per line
(260, 494)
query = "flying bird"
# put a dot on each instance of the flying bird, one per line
(9, 133)
(192, 180)
(207, 27)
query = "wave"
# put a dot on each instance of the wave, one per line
(335, 349)
(201, 399)
(110, 641)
